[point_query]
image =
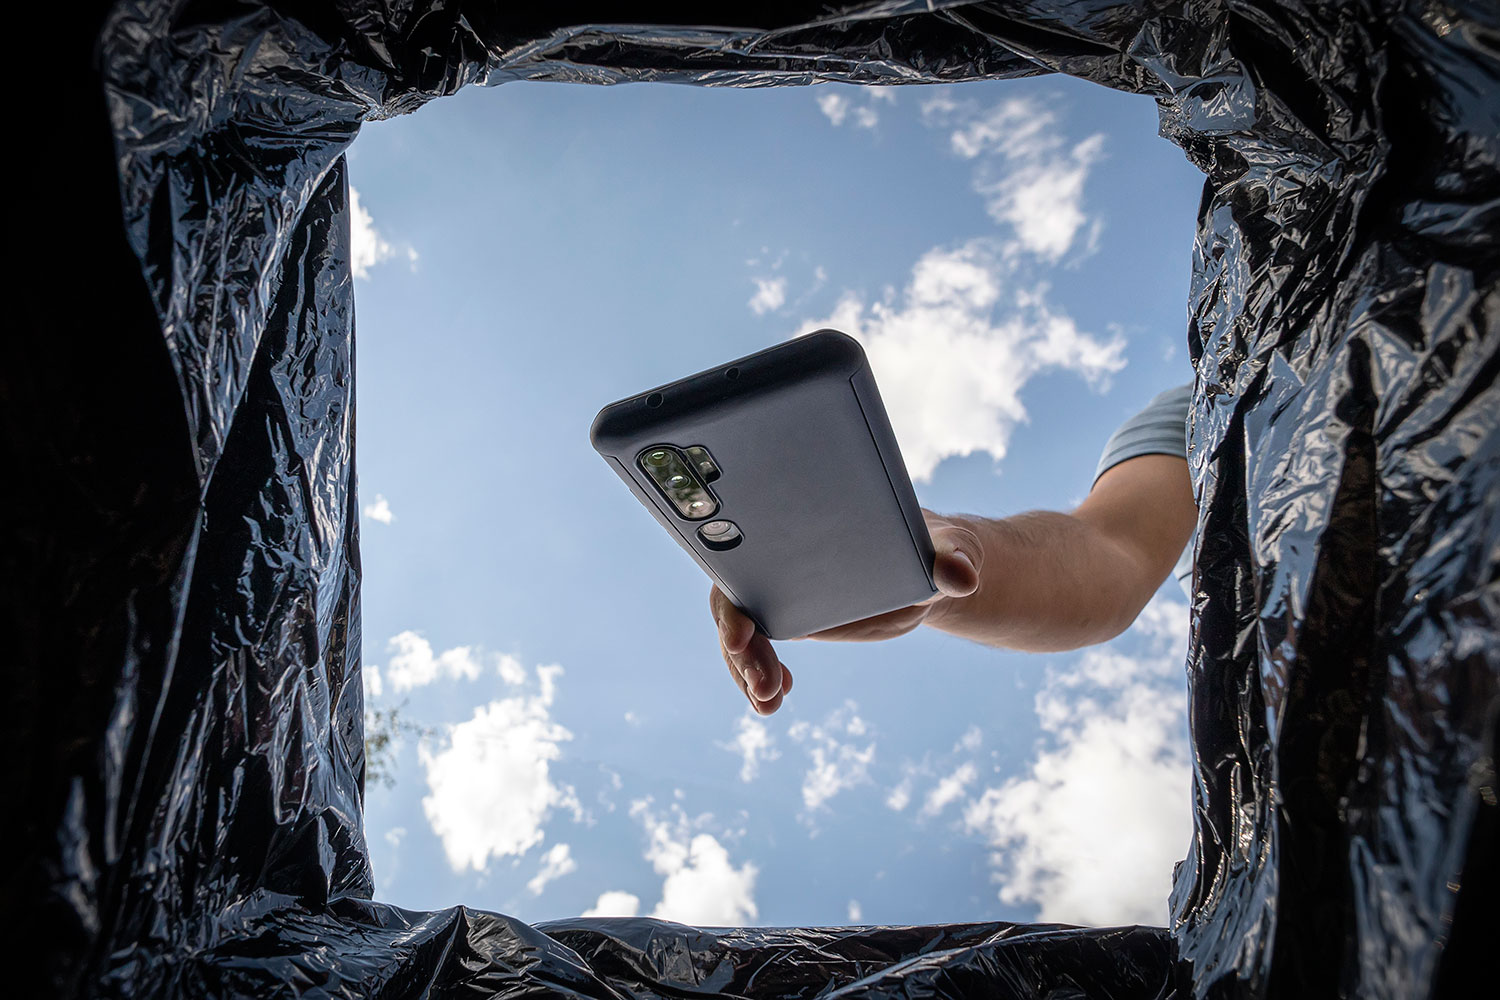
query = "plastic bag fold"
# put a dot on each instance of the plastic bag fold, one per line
(182, 581)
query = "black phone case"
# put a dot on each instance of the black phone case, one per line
(810, 473)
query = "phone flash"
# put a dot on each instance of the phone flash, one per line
(703, 461)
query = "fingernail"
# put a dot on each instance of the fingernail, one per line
(723, 631)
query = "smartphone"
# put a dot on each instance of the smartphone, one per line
(779, 474)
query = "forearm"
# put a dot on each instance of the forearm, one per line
(1049, 582)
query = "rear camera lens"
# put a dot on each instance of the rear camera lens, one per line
(720, 536)
(673, 476)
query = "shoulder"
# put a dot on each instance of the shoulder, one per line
(1160, 428)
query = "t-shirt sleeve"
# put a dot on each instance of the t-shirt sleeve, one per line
(1159, 429)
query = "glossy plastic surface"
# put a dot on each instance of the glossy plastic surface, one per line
(181, 569)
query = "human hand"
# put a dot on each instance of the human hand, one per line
(765, 680)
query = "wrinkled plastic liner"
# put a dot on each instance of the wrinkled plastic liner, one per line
(191, 816)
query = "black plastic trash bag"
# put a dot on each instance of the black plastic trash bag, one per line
(181, 572)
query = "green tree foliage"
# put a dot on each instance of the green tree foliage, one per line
(382, 737)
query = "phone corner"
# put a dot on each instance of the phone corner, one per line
(838, 351)
(605, 432)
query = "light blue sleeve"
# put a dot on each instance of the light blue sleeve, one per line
(1159, 429)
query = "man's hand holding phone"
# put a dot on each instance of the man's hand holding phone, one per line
(765, 680)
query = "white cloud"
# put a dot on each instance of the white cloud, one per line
(949, 789)
(952, 356)
(1164, 620)
(834, 105)
(380, 510)
(556, 863)
(1029, 175)
(366, 246)
(700, 885)
(1091, 831)
(490, 786)
(754, 743)
(837, 765)
(414, 664)
(374, 683)
(856, 912)
(972, 737)
(973, 326)
(615, 903)
(770, 295)
(938, 107)
(839, 108)
(1016, 128)
(511, 672)
(705, 889)
(1043, 200)
(900, 796)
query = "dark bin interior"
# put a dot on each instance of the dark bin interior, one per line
(181, 566)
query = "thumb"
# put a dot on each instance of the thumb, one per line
(956, 567)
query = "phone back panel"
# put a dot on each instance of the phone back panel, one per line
(809, 472)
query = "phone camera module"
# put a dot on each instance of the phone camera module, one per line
(678, 482)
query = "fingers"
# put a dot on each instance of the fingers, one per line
(761, 669)
(886, 626)
(735, 627)
(763, 697)
(751, 660)
(959, 559)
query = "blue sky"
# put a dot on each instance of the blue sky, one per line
(1015, 258)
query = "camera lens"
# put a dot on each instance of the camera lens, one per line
(674, 477)
(720, 536)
